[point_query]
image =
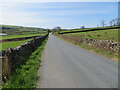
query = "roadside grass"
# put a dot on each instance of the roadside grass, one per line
(12, 44)
(114, 56)
(111, 34)
(26, 76)
(19, 36)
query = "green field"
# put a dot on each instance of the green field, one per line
(20, 30)
(72, 30)
(12, 44)
(19, 36)
(111, 34)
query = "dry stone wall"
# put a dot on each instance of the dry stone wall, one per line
(108, 45)
(13, 57)
(17, 39)
(104, 44)
(94, 29)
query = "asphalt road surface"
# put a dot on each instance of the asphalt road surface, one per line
(67, 66)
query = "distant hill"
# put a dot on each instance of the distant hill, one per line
(9, 29)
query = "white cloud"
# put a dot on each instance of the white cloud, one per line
(23, 19)
(12, 16)
(19, 14)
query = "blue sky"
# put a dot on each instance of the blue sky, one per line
(64, 14)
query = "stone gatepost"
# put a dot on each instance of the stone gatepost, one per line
(6, 64)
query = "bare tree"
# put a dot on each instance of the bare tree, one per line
(98, 25)
(117, 21)
(57, 29)
(103, 23)
(111, 23)
(48, 30)
(82, 27)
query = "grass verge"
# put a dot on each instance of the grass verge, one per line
(100, 51)
(26, 75)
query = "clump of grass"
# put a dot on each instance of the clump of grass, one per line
(26, 76)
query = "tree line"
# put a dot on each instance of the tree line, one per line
(113, 22)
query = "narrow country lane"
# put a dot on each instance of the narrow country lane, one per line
(67, 66)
